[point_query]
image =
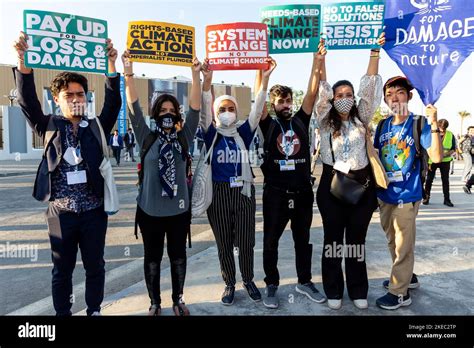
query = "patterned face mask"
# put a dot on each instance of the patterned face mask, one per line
(344, 105)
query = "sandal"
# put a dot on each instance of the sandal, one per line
(180, 309)
(154, 310)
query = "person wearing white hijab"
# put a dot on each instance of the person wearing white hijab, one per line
(232, 211)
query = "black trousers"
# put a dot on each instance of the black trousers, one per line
(279, 207)
(67, 232)
(444, 168)
(232, 219)
(116, 151)
(153, 231)
(350, 221)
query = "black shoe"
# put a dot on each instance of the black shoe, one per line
(426, 201)
(228, 296)
(467, 189)
(390, 301)
(448, 203)
(253, 291)
(414, 284)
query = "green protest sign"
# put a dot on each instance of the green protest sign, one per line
(292, 28)
(65, 42)
(355, 25)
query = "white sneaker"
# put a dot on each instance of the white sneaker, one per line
(334, 304)
(361, 303)
(96, 314)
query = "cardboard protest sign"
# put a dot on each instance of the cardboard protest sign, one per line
(292, 28)
(161, 43)
(237, 46)
(355, 25)
(430, 41)
(65, 42)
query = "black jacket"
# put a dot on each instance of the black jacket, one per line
(90, 147)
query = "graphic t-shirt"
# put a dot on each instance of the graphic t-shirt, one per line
(397, 151)
(289, 141)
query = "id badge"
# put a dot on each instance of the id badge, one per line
(175, 192)
(342, 166)
(236, 181)
(76, 177)
(395, 176)
(286, 165)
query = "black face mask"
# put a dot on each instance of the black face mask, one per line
(283, 114)
(167, 121)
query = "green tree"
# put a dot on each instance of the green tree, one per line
(463, 114)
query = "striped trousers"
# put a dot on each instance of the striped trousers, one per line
(232, 219)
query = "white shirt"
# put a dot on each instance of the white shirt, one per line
(115, 141)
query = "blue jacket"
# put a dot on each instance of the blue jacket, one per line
(91, 149)
(119, 138)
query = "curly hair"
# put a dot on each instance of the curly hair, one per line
(62, 81)
(334, 121)
(280, 91)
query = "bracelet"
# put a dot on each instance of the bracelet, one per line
(435, 130)
(375, 50)
(114, 74)
(127, 75)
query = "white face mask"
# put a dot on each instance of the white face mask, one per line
(226, 118)
(344, 105)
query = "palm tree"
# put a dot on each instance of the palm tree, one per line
(463, 114)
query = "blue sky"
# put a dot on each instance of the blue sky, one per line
(293, 69)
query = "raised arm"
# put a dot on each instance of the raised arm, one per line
(370, 91)
(140, 128)
(325, 95)
(27, 98)
(112, 101)
(313, 83)
(263, 76)
(435, 151)
(206, 107)
(195, 100)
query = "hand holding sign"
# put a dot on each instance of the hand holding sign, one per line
(432, 114)
(272, 64)
(127, 63)
(21, 46)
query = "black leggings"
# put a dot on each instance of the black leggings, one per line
(153, 231)
(444, 169)
(350, 221)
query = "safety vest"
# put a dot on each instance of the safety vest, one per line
(447, 146)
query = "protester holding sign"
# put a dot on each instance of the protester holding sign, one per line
(288, 193)
(232, 211)
(69, 176)
(344, 126)
(402, 139)
(163, 199)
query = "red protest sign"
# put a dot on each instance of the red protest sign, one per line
(237, 46)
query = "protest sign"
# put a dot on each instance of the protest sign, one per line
(429, 41)
(237, 46)
(292, 28)
(161, 43)
(65, 42)
(354, 25)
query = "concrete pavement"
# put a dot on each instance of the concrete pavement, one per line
(444, 259)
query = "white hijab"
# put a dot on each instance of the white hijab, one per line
(231, 131)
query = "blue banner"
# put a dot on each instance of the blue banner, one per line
(429, 40)
(122, 117)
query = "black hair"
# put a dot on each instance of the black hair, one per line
(155, 110)
(334, 120)
(62, 80)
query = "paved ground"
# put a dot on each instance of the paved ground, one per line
(444, 259)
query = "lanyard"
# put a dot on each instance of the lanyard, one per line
(286, 146)
(235, 163)
(345, 145)
(76, 149)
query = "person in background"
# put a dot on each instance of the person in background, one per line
(116, 143)
(466, 147)
(449, 147)
(129, 140)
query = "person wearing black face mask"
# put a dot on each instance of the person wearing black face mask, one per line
(288, 193)
(163, 199)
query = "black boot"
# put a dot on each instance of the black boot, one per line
(152, 280)
(178, 276)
